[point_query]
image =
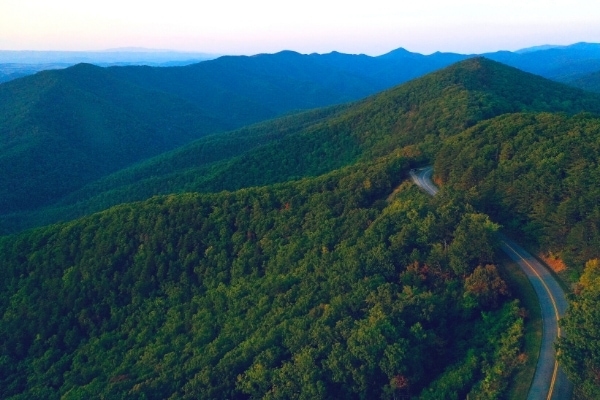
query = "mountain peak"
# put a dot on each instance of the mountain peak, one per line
(401, 53)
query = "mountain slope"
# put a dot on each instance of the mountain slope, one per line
(244, 90)
(535, 173)
(12, 71)
(317, 274)
(422, 112)
(175, 171)
(93, 125)
(62, 129)
(319, 288)
(249, 89)
(589, 82)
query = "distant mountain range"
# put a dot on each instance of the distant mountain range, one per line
(551, 61)
(586, 81)
(128, 55)
(65, 128)
(557, 63)
(16, 64)
(538, 48)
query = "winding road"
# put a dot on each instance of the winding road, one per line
(549, 381)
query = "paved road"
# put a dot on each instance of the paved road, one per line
(549, 381)
(422, 177)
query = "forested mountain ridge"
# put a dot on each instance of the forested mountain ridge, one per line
(420, 113)
(317, 288)
(556, 63)
(110, 106)
(245, 90)
(62, 129)
(269, 84)
(553, 62)
(12, 71)
(538, 174)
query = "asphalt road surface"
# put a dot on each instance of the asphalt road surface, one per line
(549, 381)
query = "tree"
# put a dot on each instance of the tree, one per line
(579, 349)
(485, 287)
(473, 243)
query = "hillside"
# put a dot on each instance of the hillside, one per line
(249, 89)
(97, 121)
(263, 292)
(12, 71)
(62, 129)
(589, 82)
(299, 263)
(419, 113)
(537, 174)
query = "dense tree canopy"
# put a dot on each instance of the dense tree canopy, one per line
(314, 289)
(536, 173)
(579, 348)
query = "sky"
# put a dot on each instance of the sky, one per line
(248, 27)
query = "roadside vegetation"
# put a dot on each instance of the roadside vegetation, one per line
(538, 174)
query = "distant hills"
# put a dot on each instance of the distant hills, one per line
(11, 71)
(551, 61)
(538, 48)
(16, 64)
(61, 129)
(557, 63)
(127, 55)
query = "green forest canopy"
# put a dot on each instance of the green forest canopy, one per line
(311, 281)
(421, 113)
(538, 174)
(264, 292)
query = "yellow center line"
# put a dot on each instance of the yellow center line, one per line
(423, 179)
(554, 373)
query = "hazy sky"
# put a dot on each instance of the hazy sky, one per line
(265, 26)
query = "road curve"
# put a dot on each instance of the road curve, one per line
(549, 381)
